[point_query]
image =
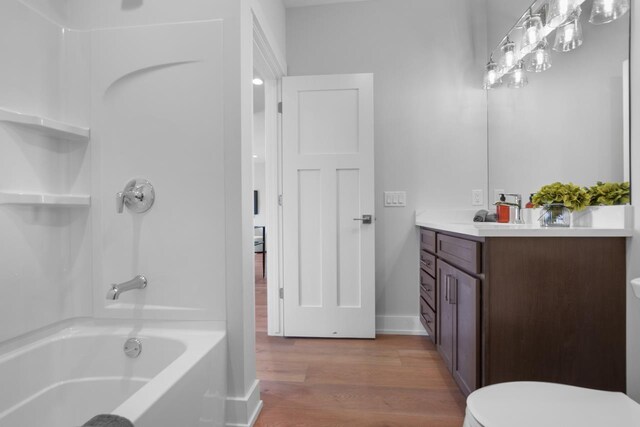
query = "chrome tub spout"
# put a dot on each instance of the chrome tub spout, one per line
(138, 282)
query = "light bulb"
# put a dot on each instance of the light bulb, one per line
(491, 77)
(518, 78)
(258, 81)
(570, 32)
(540, 60)
(508, 59)
(532, 30)
(607, 7)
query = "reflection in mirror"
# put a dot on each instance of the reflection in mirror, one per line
(568, 124)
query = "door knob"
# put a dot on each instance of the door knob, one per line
(366, 219)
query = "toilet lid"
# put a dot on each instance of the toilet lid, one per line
(534, 404)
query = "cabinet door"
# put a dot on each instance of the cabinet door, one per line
(445, 313)
(464, 295)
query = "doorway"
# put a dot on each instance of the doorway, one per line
(267, 183)
(259, 197)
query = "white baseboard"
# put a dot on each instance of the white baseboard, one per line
(399, 325)
(244, 411)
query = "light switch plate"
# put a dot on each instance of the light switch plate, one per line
(476, 198)
(396, 199)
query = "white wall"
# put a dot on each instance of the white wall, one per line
(633, 247)
(430, 114)
(45, 263)
(150, 121)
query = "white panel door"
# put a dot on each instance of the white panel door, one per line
(328, 186)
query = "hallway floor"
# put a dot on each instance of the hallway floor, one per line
(390, 381)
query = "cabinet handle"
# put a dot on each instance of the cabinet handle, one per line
(446, 288)
(453, 296)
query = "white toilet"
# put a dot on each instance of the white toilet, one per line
(536, 404)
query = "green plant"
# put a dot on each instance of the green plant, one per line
(610, 193)
(570, 195)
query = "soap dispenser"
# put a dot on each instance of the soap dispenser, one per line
(502, 209)
(530, 204)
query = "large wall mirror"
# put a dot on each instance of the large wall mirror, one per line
(570, 123)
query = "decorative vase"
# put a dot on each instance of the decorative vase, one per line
(555, 215)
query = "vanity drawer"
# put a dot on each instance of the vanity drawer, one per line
(428, 240)
(428, 288)
(428, 319)
(462, 253)
(428, 262)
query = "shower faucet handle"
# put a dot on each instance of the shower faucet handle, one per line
(138, 196)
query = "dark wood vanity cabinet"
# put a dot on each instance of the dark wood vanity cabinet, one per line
(459, 325)
(526, 308)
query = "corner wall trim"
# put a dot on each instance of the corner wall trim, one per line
(244, 411)
(399, 325)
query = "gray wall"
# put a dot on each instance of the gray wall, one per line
(430, 112)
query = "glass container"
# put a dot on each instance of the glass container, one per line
(559, 12)
(508, 59)
(532, 31)
(555, 215)
(540, 58)
(569, 35)
(491, 77)
(517, 78)
(605, 11)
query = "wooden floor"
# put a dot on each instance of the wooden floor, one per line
(390, 381)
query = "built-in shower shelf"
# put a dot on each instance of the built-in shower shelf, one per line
(34, 199)
(53, 128)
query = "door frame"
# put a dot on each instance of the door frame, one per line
(271, 70)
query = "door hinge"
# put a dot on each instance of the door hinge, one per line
(280, 107)
(281, 290)
(280, 200)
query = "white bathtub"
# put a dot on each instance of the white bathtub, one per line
(64, 376)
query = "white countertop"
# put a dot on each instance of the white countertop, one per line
(609, 221)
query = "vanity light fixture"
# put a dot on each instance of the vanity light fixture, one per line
(559, 12)
(540, 59)
(508, 59)
(605, 11)
(517, 78)
(538, 22)
(257, 81)
(569, 34)
(532, 28)
(491, 77)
